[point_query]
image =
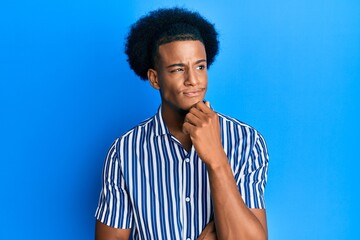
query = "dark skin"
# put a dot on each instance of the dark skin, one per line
(181, 77)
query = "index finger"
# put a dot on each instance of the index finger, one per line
(203, 107)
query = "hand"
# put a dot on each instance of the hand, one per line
(202, 124)
(209, 233)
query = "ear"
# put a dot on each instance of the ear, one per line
(153, 78)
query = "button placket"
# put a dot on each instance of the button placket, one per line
(187, 200)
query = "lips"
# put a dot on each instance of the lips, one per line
(194, 92)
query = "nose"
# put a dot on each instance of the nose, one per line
(191, 78)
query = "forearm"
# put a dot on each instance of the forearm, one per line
(104, 232)
(233, 219)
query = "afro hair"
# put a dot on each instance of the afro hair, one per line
(164, 26)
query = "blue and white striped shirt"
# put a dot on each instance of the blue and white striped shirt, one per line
(152, 185)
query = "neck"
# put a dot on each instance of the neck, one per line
(174, 120)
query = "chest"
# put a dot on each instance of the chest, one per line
(169, 191)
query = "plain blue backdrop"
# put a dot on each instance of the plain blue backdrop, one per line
(289, 68)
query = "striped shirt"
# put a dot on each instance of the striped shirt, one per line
(152, 185)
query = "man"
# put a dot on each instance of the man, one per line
(187, 172)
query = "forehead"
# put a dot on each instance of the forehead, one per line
(182, 51)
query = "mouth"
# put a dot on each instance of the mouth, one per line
(194, 92)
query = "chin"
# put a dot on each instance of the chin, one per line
(186, 107)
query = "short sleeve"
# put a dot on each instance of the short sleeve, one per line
(253, 175)
(114, 208)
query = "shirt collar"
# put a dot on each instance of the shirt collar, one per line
(159, 125)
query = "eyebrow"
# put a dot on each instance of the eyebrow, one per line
(181, 64)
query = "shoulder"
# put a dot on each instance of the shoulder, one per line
(226, 120)
(141, 129)
(249, 142)
(238, 129)
(136, 134)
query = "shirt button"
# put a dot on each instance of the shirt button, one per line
(188, 239)
(187, 160)
(187, 199)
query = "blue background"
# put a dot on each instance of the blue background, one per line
(289, 68)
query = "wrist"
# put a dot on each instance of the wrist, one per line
(217, 162)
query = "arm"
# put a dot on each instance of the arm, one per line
(114, 213)
(209, 232)
(233, 219)
(104, 232)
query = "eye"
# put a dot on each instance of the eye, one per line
(201, 67)
(177, 70)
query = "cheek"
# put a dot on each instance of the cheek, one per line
(170, 89)
(167, 88)
(204, 80)
(170, 84)
(203, 75)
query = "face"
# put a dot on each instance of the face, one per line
(180, 74)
